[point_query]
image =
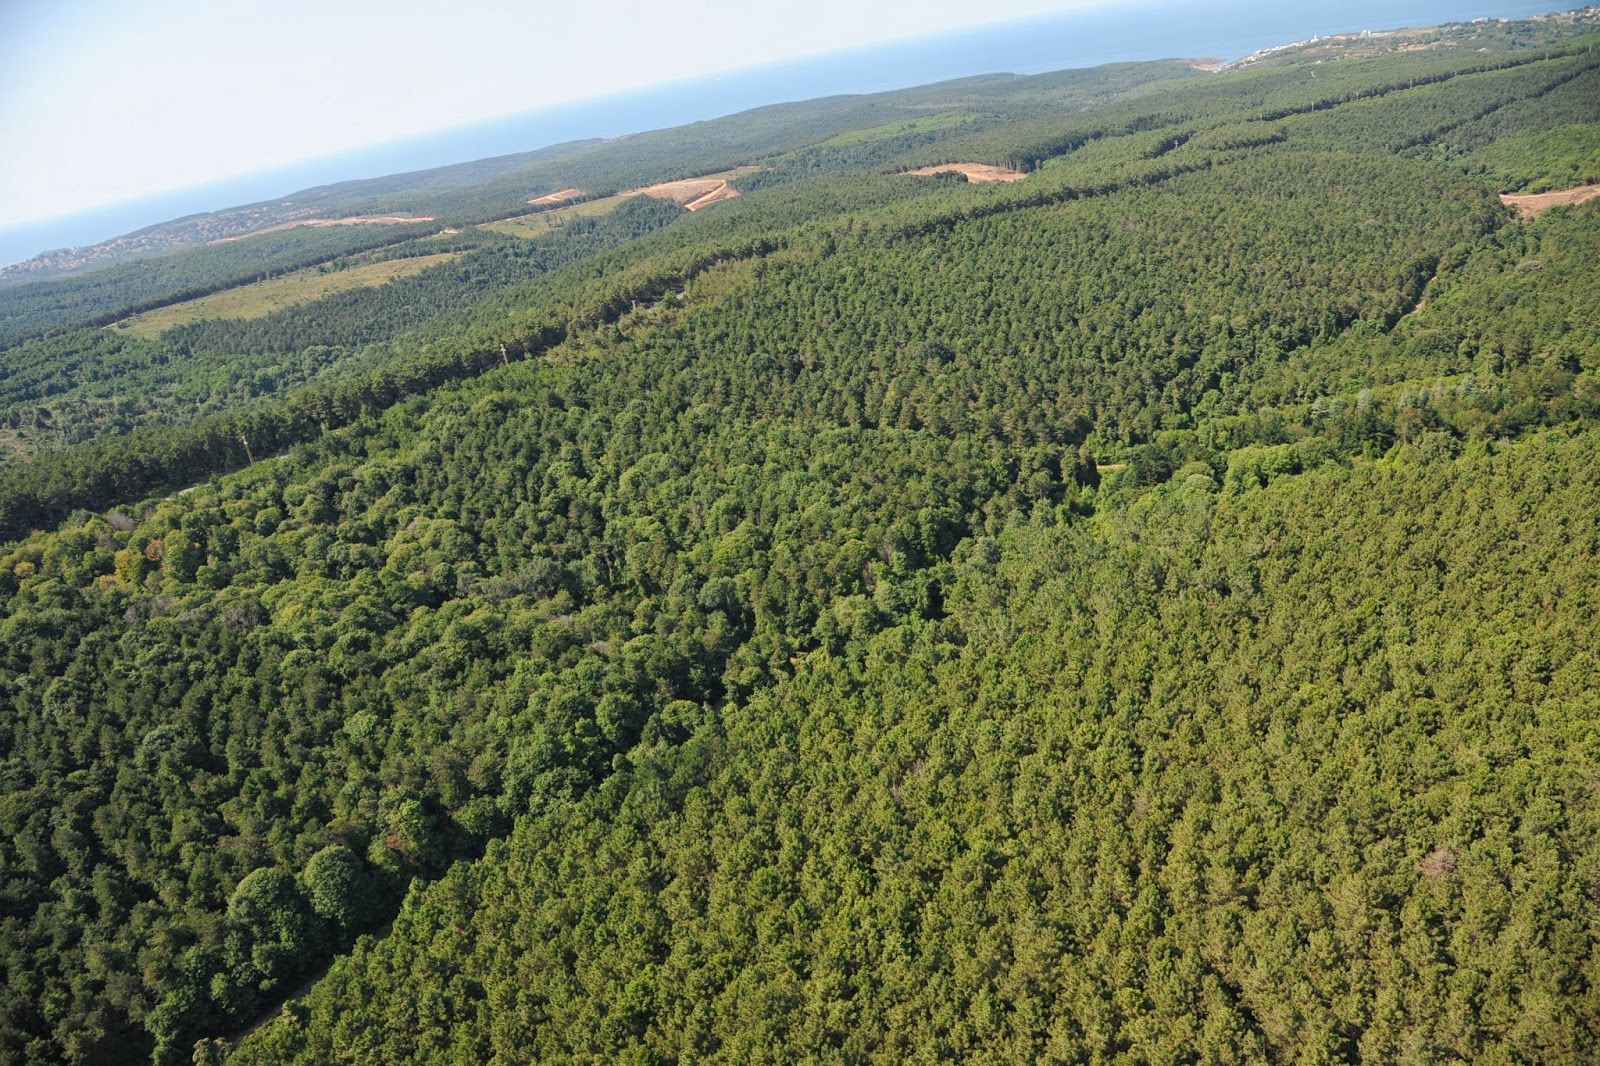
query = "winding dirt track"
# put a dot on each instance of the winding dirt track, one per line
(715, 196)
(556, 197)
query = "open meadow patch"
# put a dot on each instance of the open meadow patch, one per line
(264, 297)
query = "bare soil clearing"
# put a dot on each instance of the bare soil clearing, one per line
(560, 196)
(976, 173)
(694, 193)
(357, 220)
(691, 193)
(683, 193)
(1532, 205)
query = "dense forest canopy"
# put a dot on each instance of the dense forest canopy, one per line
(1138, 612)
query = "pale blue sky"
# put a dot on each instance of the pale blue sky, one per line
(104, 101)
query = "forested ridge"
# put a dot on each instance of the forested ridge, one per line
(1140, 612)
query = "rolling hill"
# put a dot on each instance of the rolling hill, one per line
(1137, 611)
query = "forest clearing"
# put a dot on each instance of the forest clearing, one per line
(319, 223)
(274, 294)
(695, 193)
(1532, 205)
(538, 223)
(976, 173)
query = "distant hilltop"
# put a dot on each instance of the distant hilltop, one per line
(154, 240)
(321, 205)
(1420, 36)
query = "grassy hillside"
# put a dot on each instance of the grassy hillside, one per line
(262, 298)
(1138, 612)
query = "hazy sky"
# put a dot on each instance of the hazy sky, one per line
(106, 100)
